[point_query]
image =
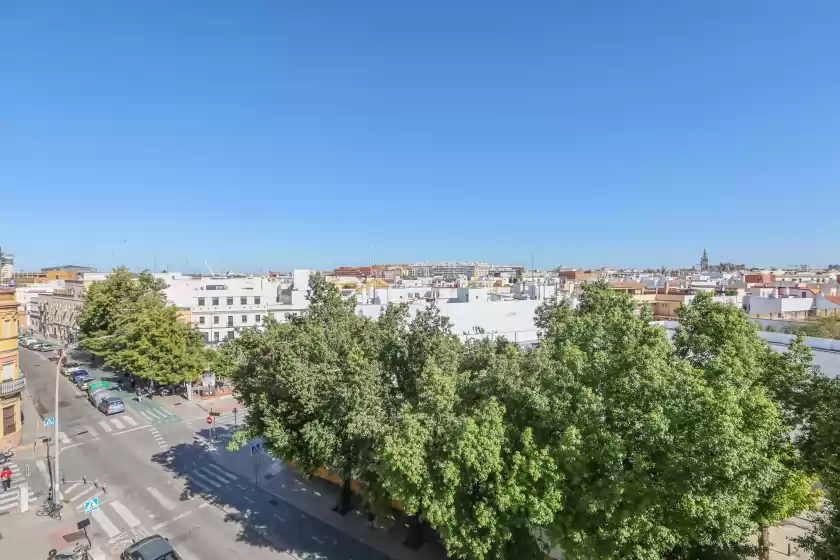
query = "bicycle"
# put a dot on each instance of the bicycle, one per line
(51, 509)
(79, 553)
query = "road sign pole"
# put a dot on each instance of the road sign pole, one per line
(57, 378)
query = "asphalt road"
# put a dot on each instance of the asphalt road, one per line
(160, 478)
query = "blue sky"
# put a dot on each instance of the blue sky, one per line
(272, 134)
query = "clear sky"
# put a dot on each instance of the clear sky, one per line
(276, 134)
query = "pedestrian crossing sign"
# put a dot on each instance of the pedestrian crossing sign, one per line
(255, 449)
(91, 504)
(48, 422)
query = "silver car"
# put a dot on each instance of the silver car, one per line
(97, 394)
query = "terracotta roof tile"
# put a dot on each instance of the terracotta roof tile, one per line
(833, 299)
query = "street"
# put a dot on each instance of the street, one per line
(153, 471)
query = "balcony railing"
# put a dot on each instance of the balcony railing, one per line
(12, 386)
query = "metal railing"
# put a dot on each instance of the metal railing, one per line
(11, 386)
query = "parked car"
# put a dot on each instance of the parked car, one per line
(96, 394)
(44, 347)
(111, 405)
(84, 382)
(155, 547)
(75, 376)
(70, 366)
(27, 342)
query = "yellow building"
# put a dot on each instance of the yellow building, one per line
(11, 380)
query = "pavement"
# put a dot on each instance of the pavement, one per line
(153, 470)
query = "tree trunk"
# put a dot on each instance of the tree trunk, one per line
(764, 544)
(344, 501)
(415, 537)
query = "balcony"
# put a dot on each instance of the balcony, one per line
(12, 386)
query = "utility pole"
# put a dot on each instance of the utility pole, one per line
(57, 378)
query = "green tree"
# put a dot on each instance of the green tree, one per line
(107, 303)
(313, 389)
(826, 327)
(768, 391)
(153, 344)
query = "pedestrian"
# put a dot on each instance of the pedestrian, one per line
(6, 477)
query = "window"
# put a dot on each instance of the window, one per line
(206, 337)
(257, 318)
(201, 302)
(216, 336)
(256, 300)
(9, 426)
(243, 301)
(244, 318)
(201, 320)
(215, 319)
(230, 320)
(230, 301)
(230, 335)
(215, 301)
(7, 371)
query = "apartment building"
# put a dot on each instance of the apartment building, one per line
(12, 380)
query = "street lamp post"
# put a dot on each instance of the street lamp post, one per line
(57, 378)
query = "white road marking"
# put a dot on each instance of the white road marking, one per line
(168, 413)
(64, 439)
(317, 540)
(131, 430)
(199, 484)
(106, 427)
(117, 424)
(123, 512)
(109, 528)
(160, 498)
(66, 447)
(92, 432)
(85, 492)
(206, 476)
(154, 414)
(97, 554)
(248, 499)
(146, 416)
(222, 472)
(129, 420)
(71, 488)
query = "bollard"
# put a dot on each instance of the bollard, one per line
(24, 498)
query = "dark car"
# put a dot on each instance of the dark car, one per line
(77, 375)
(150, 548)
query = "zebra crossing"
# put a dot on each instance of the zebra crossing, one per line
(111, 425)
(210, 478)
(156, 414)
(10, 499)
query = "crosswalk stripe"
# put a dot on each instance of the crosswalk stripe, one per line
(70, 488)
(148, 417)
(84, 493)
(199, 484)
(207, 476)
(117, 424)
(129, 420)
(124, 512)
(92, 432)
(105, 426)
(64, 439)
(42, 468)
(167, 412)
(160, 498)
(222, 472)
(109, 528)
(155, 413)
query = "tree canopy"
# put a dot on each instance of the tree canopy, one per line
(607, 440)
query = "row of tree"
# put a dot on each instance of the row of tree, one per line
(607, 440)
(126, 324)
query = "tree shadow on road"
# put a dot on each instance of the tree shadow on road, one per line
(264, 520)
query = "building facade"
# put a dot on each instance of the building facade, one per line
(11, 378)
(7, 267)
(58, 313)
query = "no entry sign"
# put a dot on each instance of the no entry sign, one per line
(209, 419)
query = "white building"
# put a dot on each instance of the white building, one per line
(7, 267)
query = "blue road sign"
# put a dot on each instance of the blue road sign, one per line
(255, 449)
(91, 505)
(49, 421)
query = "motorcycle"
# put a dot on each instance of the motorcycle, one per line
(6, 456)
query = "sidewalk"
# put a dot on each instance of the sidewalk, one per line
(32, 420)
(30, 536)
(317, 498)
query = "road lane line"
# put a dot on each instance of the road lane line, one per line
(66, 447)
(124, 512)
(222, 472)
(109, 528)
(129, 420)
(93, 433)
(64, 439)
(117, 424)
(70, 488)
(146, 416)
(43, 469)
(205, 478)
(85, 492)
(160, 498)
(106, 427)
(131, 430)
(153, 413)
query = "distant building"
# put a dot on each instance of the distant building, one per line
(66, 272)
(704, 261)
(7, 267)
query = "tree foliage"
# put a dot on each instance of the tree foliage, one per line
(606, 440)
